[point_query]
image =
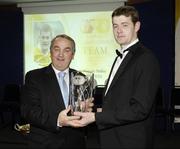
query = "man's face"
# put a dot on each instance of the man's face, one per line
(124, 30)
(61, 53)
(45, 40)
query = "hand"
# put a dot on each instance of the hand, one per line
(65, 120)
(86, 105)
(89, 104)
(86, 118)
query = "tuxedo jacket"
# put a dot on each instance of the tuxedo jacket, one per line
(126, 120)
(41, 103)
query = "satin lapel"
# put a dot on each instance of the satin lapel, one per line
(110, 74)
(53, 87)
(132, 52)
(121, 69)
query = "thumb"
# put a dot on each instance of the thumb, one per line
(67, 109)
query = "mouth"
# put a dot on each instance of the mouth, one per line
(120, 36)
(60, 59)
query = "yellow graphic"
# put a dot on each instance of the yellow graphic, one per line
(41, 58)
(92, 32)
(177, 44)
(177, 5)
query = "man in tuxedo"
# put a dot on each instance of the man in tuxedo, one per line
(126, 119)
(43, 105)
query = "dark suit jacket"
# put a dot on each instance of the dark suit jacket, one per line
(128, 106)
(41, 102)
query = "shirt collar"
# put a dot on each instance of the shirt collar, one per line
(129, 45)
(57, 71)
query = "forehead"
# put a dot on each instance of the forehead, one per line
(62, 42)
(121, 19)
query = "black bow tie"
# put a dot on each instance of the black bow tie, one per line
(120, 54)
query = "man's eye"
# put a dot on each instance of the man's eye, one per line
(125, 25)
(67, 50)
(56, 49)
(115, 26)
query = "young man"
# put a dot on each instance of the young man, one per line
(126, 119)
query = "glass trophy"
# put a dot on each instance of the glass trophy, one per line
(81, 89)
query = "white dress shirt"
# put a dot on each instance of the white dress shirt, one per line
(119, 61)
(66, 77)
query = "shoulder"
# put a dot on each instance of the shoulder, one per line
(144, 58)
(144, 53)
(35, 73)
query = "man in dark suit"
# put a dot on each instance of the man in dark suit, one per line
(126, 119)
(42, 103)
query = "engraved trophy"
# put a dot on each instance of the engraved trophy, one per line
(81, 89)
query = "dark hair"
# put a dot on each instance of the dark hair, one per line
(127, 11)
(66, 37)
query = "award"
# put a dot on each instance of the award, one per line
(81, 89)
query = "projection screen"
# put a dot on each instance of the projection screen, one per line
(177, 45)
(91, 30)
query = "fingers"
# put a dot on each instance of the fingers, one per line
(71, 118)
(90, 99)
(78, 113)
(89, 110)
(76, 124)
(91, 104)
(65, 111)
(68, 108)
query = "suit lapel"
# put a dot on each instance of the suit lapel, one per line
(110, 74)
(121, 69)
(124, 64)
(53, 87)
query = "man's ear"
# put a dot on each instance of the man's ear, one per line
(73, 55)
(137, 26)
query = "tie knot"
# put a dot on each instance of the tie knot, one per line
(61, 74)
(119, 54)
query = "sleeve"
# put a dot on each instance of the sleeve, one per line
(33, 108)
